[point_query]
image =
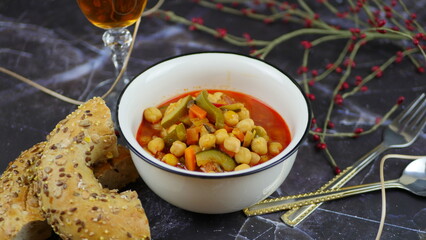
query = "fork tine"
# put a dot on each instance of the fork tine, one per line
(419, 121)
(408, 111)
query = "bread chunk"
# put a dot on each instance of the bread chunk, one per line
(21, 217)
(71, 198)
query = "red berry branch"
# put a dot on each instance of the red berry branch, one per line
(364, 22)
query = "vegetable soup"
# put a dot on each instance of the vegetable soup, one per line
(213, 131)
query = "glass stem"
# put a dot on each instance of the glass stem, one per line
(118, 40)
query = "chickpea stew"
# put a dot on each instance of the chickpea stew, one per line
(213, 131)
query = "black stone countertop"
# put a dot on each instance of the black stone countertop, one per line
(53, 44)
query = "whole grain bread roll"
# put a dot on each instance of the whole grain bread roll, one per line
(72, 199)
(21, 217)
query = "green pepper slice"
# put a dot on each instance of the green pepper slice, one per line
(261, 132)
(213, 155)
(213, 112)
(175, 111)
(233, 107)
(178, 134)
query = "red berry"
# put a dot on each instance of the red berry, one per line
(318, 130)
(308, 23)
(358, 131)
(315, 137)
(416, 41)
(306, 44)
(377, 70)
(329, 66)
(219, 6)
(302, 69)
(344, 86)
(268, 20)
(337, 170)
(248, 37)
(400, 100)
(338, 99)
(321, 146)
(221, 32)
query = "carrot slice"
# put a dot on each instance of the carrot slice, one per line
(191, 115)
(197, 111)
(238, 133)
(192, 135)
(228, 128)
(190, 160)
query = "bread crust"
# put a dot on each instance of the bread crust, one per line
(74, 203)
(20, 215)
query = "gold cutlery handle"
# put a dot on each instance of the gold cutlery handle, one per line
(283, 203)
(296, 215)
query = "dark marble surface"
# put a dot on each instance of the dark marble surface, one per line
(52, 43)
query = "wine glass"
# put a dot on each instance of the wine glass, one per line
(114, 16)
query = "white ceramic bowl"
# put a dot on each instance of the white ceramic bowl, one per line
(213, 192)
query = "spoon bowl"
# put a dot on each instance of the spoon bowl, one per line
(414, 177)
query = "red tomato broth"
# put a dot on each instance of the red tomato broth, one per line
(262, 115)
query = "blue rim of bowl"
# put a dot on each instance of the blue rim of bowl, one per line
(218, 175)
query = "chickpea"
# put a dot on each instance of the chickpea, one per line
(144, 140)
(231, 118)
(244, 113)
(259, 146)
(232, 144)
(214, 97)
(156, 145)
(170, 159)
(152, 114)
(196, 148)
(255, 158)
(163, 132)
(221, 134)
(275, 148)
(264, 158)
(243, 156)
(218, 95)
(241, 167)
(207, 141)
(245, 125)
(157, 127)
(178, 148)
